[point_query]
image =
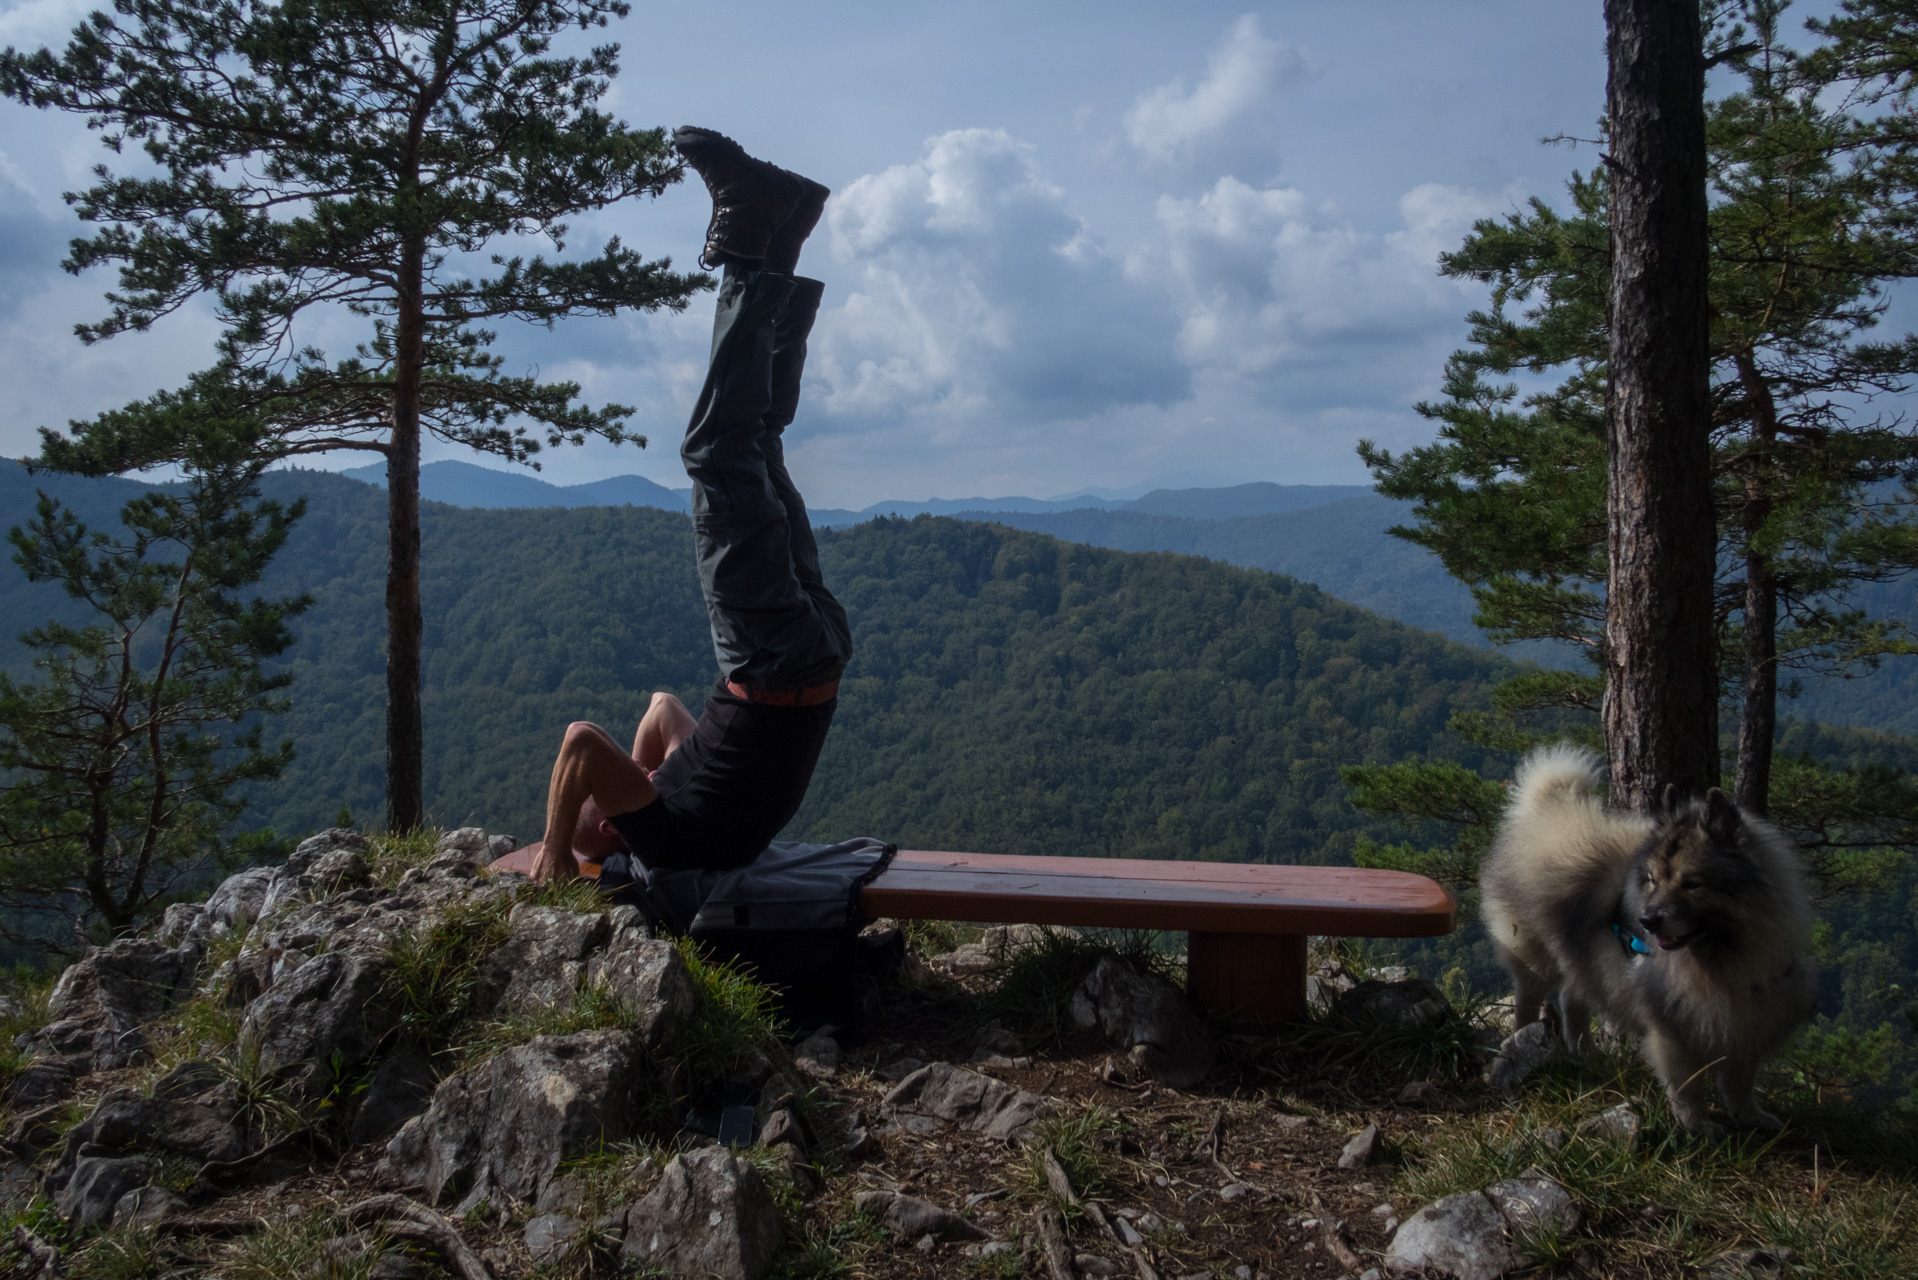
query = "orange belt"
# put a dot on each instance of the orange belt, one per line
(811, 697)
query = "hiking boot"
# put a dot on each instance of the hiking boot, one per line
(751, 198)
(782, 254)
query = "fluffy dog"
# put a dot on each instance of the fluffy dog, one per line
(1572, 893)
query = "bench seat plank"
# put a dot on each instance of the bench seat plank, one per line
(1126, 893)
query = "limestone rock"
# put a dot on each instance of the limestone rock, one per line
(236, 904)
(969, 1099)
(1519, 1055)
(1411, 1004)
(910, 1217)
(998, 945)
(1619, 1124)
(647, 976)
(144, 1206)
(401, 1088)
(96, 1185)
(710, 1215)
(98, 1009)
(41, 1081)
(331, 1009)
(550, 1235)
(309, 852)
(819, 1056)
(497, 1131)
(1535, 1204)
(1365, 1149)
(542, 961)
(1150, 1017)
(128, 1121)
(1462, 1236)
(180, 923)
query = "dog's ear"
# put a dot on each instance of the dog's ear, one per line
(1668, 801)
(1722, 819)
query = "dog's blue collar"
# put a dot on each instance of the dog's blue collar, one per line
(1633, 944)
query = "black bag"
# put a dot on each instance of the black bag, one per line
(792, 914)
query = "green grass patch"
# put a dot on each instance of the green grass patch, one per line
(1830, 1187)
(582, 896)
(302, 1247)
(1079, 1142)
(395, 855)
(435, 971)
(27, 989)
(121, 1253)
(737, 1016)
(1329, 1046)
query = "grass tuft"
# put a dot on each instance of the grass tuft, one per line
(435, 971)
(314, 1246)
(1036, 981)
(121, 1253)
(1079, 1142)
(737, 1016)
(395, 855)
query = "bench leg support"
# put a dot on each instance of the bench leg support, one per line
(1252, 978)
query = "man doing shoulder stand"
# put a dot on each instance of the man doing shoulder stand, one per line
(715, 792)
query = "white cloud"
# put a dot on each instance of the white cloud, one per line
(979, 294)
(1274, 284)
(1243, 73)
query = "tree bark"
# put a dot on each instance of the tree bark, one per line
(1758, 719)
(1661, 693)
(405, 733)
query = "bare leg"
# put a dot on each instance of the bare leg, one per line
(665, 725)
(1684, 1073)
(590, 764)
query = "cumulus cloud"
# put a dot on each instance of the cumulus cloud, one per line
(1244, 72)
(1272, 283)
(979, 294)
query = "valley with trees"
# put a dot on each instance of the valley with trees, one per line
(264, 729)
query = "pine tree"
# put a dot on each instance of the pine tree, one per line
(122, 761)
(318, 158)
(1811, 489)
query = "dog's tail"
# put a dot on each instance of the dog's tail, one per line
(1557, 774)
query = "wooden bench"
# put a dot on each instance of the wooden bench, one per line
(1245, 923)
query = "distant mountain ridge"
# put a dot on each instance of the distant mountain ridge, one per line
(461, 484)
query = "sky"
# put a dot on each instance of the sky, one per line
(1071, 245)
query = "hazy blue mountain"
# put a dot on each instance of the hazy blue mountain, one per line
(461, 484)
(1258, 499)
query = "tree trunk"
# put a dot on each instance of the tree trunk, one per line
(1758, 720)
(1661, 692)
(405, 734)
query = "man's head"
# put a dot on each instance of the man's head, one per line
(594, 838)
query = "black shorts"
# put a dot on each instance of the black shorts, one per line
(729, 788)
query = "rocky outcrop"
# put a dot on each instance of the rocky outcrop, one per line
(711, 1214)
(1149, 1017)
(1481, 1235)
(99, 1009)
(323, 1020)
(498, 1131)
(543, 960)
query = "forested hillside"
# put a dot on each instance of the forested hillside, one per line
(1011, 692)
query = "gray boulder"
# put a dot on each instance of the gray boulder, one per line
(550, 1235)
(968, 1099)
(1365, 1149)
(145, 1206)
(330, 1009)
(99, 1007)
(236, 904)
(308, 853)
(709, 1215)
(499, 1130)
(543, 960)
(647, 977)
(911, 1218)
(1462, 1236)
(96, 1185)
(1519, 1055)
(1619, 1124)
(128, 1121)
(41, 1081)
(1535, 1204)
(1412, 1004)
(401, 1088)
(1149, 1017)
